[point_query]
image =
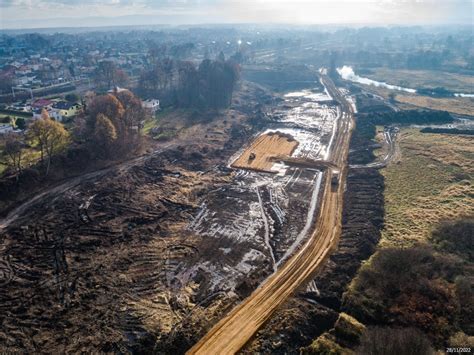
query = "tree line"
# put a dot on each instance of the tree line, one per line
(410, 117)
(468, 132)
(108, 128)
(182, 84)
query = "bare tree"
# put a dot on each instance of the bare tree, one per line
(108, 74)
(13, 152)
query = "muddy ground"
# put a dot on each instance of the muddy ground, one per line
(110, 263)
(315, 309)
(150, 254)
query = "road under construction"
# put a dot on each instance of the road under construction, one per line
(233, 331)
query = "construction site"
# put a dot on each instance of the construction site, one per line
(231, 177)
(187, 236)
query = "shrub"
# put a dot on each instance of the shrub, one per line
(21, 123)
(456, 237)
(324, 345)
(348, 328)
(389, 341)
(461, 340)
(408, 287)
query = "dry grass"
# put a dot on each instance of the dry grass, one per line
(462, 106)
(457, 105)
(432, 181)
(264, 147)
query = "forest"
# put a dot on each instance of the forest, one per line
(182, 84)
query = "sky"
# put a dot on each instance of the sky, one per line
(74, 13)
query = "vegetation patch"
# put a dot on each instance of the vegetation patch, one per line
(325, 345)
(392, 341)
(447, 131)
(456, 237)
(461, 106)
(409, 287)
(423, 78)
(420, 276)
(432, 182)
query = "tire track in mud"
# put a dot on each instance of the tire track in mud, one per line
(230, 334)
(267, 230)
(14, 214)
(309, 219)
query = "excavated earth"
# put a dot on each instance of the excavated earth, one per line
(315, 309)
(149, 255)
(110, 263)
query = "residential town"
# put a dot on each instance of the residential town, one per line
(235, 189)
(39, 70)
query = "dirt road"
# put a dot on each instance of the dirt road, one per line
(390, 142)
(230, 334)
(69, 184)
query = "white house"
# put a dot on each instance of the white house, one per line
(21, 80)
(152, 105)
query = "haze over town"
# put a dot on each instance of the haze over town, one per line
(236, 177)
(93, 13)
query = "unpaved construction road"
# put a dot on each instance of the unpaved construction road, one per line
(390, 141)
(230, 334)
(70, 183)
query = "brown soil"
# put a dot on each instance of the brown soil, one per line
(101, 264)
(314, 309)
(258, 155)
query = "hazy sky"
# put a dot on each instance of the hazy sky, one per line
(55, 13)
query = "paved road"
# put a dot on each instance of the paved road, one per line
(230, 334)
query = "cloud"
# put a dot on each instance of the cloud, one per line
(246, 11)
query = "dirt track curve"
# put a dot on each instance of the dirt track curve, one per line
(231, 333)
(73, 182)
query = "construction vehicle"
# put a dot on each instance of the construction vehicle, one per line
(336, 175)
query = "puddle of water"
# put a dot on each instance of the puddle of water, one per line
(272, 213)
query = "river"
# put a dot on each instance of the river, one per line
(347, 73)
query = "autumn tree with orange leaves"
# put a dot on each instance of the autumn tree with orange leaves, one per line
(113, 123)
